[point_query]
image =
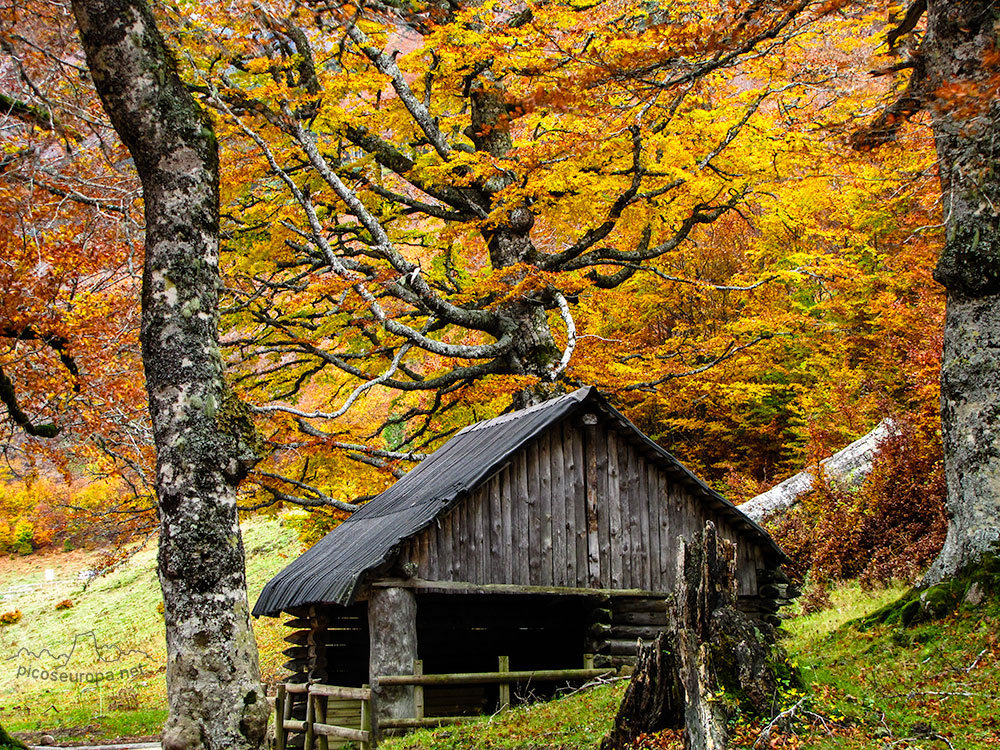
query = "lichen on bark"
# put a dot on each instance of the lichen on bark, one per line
(961, 37)
(205, 442)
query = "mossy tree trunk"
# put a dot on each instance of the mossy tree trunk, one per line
(961, 35)
(6, 741)
(205, 442)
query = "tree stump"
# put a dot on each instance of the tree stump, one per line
(710, 660)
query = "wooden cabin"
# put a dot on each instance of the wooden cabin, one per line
(540, 536)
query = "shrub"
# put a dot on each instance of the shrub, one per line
(24, 532)
(65, 604)
(9, 618)
(891, 528)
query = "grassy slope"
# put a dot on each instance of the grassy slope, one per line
(933, 685)
(887, 687)
(120, 608)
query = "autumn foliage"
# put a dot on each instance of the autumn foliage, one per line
(890, 529)
(429, 213)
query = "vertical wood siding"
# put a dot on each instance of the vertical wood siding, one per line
(579, 507)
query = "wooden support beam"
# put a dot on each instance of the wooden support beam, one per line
(486, 678)
(366, 720)
(504, 668)
(392, 627)
(459, 587)
(418, 690)
(319, 715)
(280, 733)
(310, 723)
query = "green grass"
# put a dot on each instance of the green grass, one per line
(574, 722)
(121, 608)
(869, 686)
(83, 723)
(906, 685)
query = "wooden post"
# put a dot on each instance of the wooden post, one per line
(418, 690)
(504, 686)
(392, 628)
(310, 720)
(280, 735)
(319, 712)
(366, 721)
(588, 661)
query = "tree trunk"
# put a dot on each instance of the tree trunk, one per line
(6, 741)
(392, 627)
(204, 439)
(535, 351)
(965, 118)
(710, 661)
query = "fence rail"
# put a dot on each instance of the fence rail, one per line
(318, 732)
(493, 678)
(315, 728)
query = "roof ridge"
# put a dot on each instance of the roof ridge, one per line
(519, 413)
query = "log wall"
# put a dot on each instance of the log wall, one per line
(581, 507)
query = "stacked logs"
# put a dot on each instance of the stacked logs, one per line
(774, 591)
(619, 625)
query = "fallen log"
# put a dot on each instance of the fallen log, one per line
(847, 468)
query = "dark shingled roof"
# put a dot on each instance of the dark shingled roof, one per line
(332, 570)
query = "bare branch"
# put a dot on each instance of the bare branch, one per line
(317, 498)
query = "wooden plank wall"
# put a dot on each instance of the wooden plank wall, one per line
(578, 507)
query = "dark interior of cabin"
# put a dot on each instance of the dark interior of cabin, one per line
(468, 633)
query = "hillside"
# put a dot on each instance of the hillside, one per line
(935, 685)
(113, 624)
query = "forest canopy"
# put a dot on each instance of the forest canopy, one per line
(434, 212)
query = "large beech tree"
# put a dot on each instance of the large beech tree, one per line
(960, 63)
(955, 79)
(425, 193)
(205, 443)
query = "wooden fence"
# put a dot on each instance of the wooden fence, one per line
(318, 732)
(315, 726)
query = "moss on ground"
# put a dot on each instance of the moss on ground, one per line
(927, 604)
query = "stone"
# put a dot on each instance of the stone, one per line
(974, 595)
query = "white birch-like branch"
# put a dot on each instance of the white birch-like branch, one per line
(386, 65)
(567, 316)
(847, 467)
